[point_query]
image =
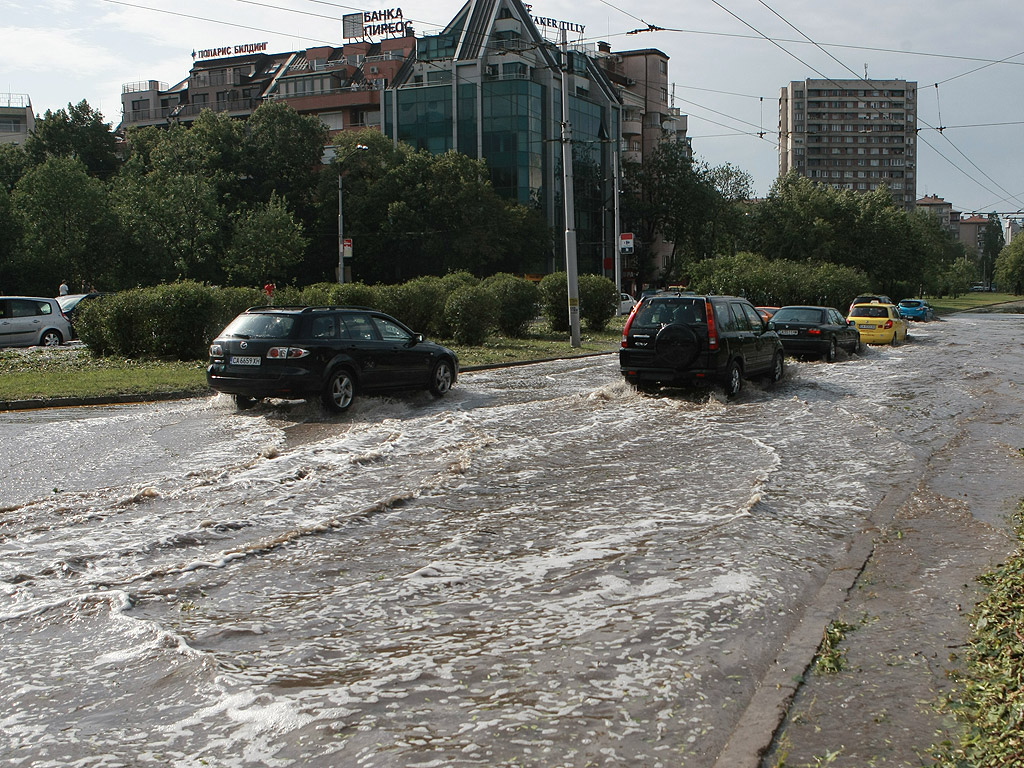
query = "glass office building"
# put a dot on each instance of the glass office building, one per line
(490, 86)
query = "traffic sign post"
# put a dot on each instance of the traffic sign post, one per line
(626, 243)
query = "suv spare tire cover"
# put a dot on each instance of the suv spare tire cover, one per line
(676, 345)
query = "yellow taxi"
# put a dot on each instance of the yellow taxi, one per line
(878, 323)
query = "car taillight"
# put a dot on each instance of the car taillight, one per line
(814, 331)
(216, 350)
(888, 324)
(712, 329)
(286, 353)
(629, 322)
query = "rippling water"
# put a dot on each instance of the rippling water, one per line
(545, 568)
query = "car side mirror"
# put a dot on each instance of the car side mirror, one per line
(417, 339)
(771, 325)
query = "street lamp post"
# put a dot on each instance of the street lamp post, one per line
(341, 217)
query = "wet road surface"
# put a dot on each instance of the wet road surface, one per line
(544, 568)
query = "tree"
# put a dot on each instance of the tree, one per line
(13, 164)
(10, 233)
(266, 246)
(992, 242)
(78, 131)
(673, 196)
(175, 222)
(281, 153)
(959, 276)
(1009, 267)
(66, 226)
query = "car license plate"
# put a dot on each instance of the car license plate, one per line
(245, 360)
(866, 326)
(788, 333)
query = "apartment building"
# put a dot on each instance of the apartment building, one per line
(851, 134)
(17, 120)
(342, 84)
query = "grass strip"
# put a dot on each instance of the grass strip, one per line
(977, 300)
(56, 372)
(988, 700)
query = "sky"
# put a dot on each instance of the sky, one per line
(728, 60)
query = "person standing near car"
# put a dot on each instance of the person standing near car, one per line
(63, 290)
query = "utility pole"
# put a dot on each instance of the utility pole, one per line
(616, 243)
(572, 278)
(341, 217)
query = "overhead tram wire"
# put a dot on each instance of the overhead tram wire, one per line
(865, 79)
(619, 34)
(216, 21)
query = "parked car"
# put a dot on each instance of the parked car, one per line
(880, 298)
(879, 323)
(328, 352)
(26, 321)
(811, 330)
(916, 309)
(69, 304)
(626, 303)
(766, 312)
(684, 339)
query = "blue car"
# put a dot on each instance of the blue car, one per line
(916, 309)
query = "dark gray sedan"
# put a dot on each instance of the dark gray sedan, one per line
(817, 331)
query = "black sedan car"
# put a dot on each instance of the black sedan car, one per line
(818, 331)
(326, 352)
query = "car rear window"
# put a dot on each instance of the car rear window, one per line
(801, 315)
(910, 303)
(262, 326)
(877, 311)
(671, 310)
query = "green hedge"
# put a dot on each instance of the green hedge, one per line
(778, 282)
(179, 320)
(598, 300)
(516, 302)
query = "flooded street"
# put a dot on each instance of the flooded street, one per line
(544, 569)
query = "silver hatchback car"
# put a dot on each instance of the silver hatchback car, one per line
(26, 321)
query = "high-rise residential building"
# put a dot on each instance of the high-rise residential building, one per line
(852, 134)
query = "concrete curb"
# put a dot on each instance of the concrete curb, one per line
(759, 724)
(76, 402)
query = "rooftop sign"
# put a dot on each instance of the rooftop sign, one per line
(383, 23)
(230, 50)
(543, 21)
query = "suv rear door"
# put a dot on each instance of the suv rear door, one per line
(747, 340)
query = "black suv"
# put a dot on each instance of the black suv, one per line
(681, 339)
(330, 352)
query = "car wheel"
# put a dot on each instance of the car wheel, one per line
(676, 346)
(858, 346)
(734, 379)
(340, 391)
(778, 372)
(244, 402)
(441, 378)
(895, 340)
(51, 338)
(830, 353)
